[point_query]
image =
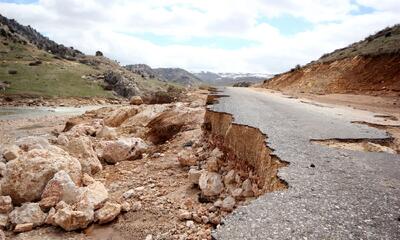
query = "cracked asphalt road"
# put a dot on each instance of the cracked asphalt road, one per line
(347, 195)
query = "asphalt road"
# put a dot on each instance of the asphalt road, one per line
(347, 195)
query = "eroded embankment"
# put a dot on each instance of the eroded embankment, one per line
(361, 74)
(245, 148)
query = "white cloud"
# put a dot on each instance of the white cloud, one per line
(103, 25)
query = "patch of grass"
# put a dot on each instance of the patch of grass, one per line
(51, 79)
(385, 41)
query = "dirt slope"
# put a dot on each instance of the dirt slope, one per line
(368, 67)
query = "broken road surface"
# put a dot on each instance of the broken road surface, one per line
(333, 193)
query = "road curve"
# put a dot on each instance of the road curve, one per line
(347, 195)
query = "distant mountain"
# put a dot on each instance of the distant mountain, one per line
(172, 75)
(225, 79)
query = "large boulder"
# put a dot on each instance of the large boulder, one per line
(211, 184)
(28, 213)
(118, 116)
(107, 213)
(136, 100)
(88, 128)
(82, 149)
(123, 149)
(59, 188)
(26, 177)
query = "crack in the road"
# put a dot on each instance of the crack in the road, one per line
(246, 148)
(359, 144)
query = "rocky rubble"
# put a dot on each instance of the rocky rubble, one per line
(150, 163)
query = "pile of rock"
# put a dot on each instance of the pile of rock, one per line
(53, 185)
(222, 184)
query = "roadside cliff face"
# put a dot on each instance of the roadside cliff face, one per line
(370, 66)
(371, 75)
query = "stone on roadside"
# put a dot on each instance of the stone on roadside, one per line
(11, 153)
(3, 168)
(6, 205)
(82, 149)
(190, 224)
(126, 206)
(118, 116)
(216, 153)
(136, 100)
(218, 203)
(50, 217)
(23, 227)
(87, 179)
(136, 206)
(62, 140)
(94, 194)
(2, 235)
(184, 215)
(228, 204)
(247, 188)
(215, 219)
(28, 213)
(211, 184)
(194, 176)
(70, 219)
(107, 213)
(185, 158)
(4, 221)
(108, 133)
(123, 149)
(60, 187)
(26, 177)
(212, 164)
(229, 178)
(237, 192)
(128, 194)
(149, 237)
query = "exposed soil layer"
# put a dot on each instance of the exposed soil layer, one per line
(371, 75)
(246, 149)
(363, 145)
(393, 131)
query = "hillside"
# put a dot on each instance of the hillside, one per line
(33, 65)
(370, 66)
(171, 75)
(227, 79)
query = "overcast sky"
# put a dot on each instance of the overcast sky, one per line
(216, 35)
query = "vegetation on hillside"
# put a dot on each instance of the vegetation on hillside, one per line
(386, 41)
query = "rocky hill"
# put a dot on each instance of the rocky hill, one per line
(171, 75)
(227, 79)
(34, 66)
(19, 32)
(370, 66)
